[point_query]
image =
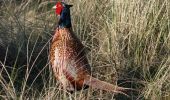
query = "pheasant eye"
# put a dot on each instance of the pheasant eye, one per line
(58, 5)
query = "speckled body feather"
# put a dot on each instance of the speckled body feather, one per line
(68, 59)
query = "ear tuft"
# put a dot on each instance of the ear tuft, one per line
(70, 5)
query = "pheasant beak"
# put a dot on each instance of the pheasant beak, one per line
(54, 7)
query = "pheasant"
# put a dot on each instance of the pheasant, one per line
(68, 58)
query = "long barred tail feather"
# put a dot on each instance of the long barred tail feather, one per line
(98, 84)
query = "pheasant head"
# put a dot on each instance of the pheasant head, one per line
(63, 11)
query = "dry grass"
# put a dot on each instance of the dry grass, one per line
(128, 41)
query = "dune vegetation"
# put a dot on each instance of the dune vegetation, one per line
(127, 42)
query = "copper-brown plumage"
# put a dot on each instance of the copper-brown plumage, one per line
(69, 62)
(68, 58)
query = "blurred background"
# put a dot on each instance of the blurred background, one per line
(127, 41)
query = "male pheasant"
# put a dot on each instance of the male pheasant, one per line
(68, 59)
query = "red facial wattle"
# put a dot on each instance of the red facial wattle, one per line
(59, 8)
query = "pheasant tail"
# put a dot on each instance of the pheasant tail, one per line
(98, 84)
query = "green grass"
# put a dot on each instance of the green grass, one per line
(128, 42)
